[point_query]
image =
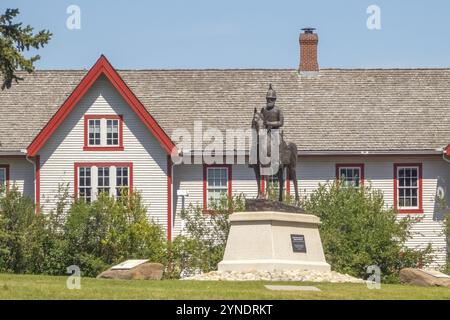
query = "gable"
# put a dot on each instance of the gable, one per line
(101, 67)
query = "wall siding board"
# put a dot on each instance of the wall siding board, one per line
(21, 175)
(65, 148)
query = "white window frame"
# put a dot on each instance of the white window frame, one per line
(119, 187)
(3, 184)
(99, 181)
(85, 186)
(94, 126)
(416, 187)
(343, 178)
(115, 124)
(215, 188)
(103, 181)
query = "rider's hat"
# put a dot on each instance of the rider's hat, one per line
(271, 93)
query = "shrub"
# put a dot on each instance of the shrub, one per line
(358, 231)
(107, 232)
(17, 214)
(203, 246)
(92, 236)
(447, 234)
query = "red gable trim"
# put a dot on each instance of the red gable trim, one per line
(101, 67)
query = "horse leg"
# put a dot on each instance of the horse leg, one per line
(293, 177)
(280, 183)
(258, 180)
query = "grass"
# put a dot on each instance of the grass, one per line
(48, 287)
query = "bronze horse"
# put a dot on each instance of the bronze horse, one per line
(288, 157)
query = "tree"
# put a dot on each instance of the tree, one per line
(358, 230)
(14, 40)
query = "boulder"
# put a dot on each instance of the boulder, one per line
(145, 271)
(420, 277)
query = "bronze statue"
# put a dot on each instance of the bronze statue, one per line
(271, 118)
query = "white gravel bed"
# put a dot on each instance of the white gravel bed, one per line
(277, 275)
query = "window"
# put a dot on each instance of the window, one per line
(93, 178)
(85, 189)
(94, 132)
(216, 182)
(122, 181)
(103, 133)
(112, 132)
(4, 178)
(408, 188)
(350, 174)
(103, 180)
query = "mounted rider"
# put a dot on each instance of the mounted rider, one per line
(273, 120)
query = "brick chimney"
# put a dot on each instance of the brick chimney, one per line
(308, 52)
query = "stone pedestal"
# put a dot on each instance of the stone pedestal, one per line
(270, 240)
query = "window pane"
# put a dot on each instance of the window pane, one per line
(84, 183)
(112, 137)
(122, 180)
(217, 182)
(94, 132)
(2, 176)
(350, 176)
(408, 189)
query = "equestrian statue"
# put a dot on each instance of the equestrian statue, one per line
(265, 123)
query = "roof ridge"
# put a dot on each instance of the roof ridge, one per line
(249, 69)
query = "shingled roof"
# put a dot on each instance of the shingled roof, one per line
(337, 110)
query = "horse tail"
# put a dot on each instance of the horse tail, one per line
(293, 151)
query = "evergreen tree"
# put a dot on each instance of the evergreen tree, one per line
(14, 40)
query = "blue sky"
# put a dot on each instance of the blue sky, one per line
(138, 34)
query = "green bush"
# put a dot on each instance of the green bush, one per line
(203, 246)
(92, 236)
(358, 230)
(107, 232)
(17, 214)
(447, 234)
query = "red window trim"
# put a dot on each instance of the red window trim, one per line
(205, 181)
(287, 188)
(351, 165)
(101, 164)
(7, 177)
(408, 211)
(88, 117)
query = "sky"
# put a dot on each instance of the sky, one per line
(204, 34)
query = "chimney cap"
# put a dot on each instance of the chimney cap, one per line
(309, 30)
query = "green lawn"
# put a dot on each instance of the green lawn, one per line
(47, 287)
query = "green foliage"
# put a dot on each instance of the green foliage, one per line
(14, 40)
(203, 246)
(107, 231)
(91, 236)
(447, 234)
(358, 230)
(17, 214)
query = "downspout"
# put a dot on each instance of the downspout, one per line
(34, 172)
